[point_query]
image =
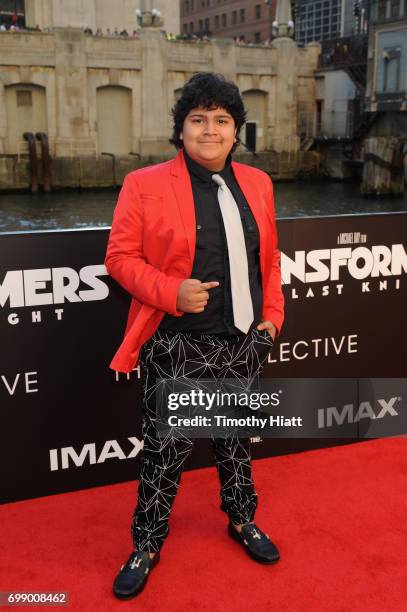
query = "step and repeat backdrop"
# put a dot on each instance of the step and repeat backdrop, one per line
(69, 422)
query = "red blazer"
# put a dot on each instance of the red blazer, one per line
(151, 246)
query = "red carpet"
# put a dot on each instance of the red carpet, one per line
(338, 516)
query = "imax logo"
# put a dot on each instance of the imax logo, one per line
(66, 457)
(361, 262)
(52, 286)
(332, 416)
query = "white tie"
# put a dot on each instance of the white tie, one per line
(239, 269)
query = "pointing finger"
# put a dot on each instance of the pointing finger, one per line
(209, 285)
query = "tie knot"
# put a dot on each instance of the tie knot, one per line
(218, 180)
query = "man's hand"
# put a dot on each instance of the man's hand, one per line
(193, 295)
(271, 328)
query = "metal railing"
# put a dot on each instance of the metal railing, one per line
(73, 149)
(327, 124)
(344, 52)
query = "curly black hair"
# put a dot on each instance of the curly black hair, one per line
(207, 90)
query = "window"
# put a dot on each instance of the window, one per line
(395, 8)
(224, 21)
(187, 6)
(234, 17)
(185, 28)
(242, 15)
(200, 25)
(257, 11)
(257, 37)
(391, 76)
(207, 27)
(382, 9)
(191, 26)
(217, 23)
(192, 5)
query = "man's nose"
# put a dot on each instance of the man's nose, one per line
(210, 127)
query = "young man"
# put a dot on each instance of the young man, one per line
(194, 241)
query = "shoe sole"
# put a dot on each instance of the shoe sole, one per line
(249, 552)
(140, 589)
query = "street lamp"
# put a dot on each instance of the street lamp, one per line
(283, 25)
(148, 16)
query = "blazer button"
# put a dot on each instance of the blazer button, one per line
(198, 227)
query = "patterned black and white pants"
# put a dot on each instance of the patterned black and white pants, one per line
(176, 355)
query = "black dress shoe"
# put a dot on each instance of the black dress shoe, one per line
(256, 543)
(132, 578)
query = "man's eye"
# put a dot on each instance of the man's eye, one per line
(196, 120)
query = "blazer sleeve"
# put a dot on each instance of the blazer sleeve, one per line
(125, 261)
(273, 297)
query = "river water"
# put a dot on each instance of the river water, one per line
(75, 209)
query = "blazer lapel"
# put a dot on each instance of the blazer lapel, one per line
(181, 185)
(251, 193)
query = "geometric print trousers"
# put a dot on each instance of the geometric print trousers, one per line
(168, 354)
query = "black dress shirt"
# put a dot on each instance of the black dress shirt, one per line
(211, 262)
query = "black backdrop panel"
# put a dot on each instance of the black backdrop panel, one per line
(344, 326)
(69, 422)
(359, 328)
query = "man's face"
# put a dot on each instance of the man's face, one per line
(208, 136)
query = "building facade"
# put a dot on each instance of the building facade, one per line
(103, 98)
(103, 14)
(318, 20)
(387, 56)
(248, 20)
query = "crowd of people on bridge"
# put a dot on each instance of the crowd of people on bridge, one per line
(98, 32)
(117, 33)
(110, 32)
(14, 27)
(199, 38)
